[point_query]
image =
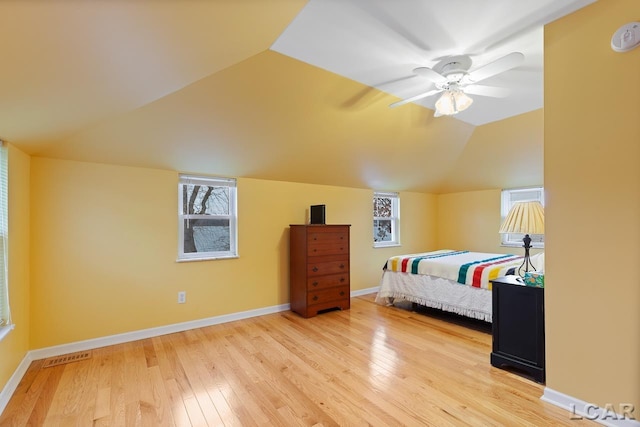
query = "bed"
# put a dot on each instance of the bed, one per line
(454, 281)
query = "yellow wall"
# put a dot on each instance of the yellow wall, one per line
(104, 244)
(470, 221)
(592, 179)
(14, 346)
(503, 154)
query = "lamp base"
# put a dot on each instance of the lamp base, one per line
(526, 262)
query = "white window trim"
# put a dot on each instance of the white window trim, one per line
(232, 217)
(505, 206)
(4, 330)
(395, 219)
(6, 324)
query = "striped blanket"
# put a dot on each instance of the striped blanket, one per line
(475, 269)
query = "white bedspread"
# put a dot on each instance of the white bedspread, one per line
(435, 292)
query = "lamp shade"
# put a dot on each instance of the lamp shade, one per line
(524, 217)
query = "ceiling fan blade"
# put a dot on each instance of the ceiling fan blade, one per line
(498, 66)
(492, 91)
(415, 98)
(434, 76)
(395, 27)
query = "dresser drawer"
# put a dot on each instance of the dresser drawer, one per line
(328, 248)
(322, 282)
(324, 241)
(330, 294)
(327, 235)
(322, 268)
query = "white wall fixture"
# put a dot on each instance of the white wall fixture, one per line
(626, 38)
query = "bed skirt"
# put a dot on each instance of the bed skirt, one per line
(435, 292)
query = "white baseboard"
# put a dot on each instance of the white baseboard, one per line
(163, 330)
(42, 353)
(579, 409)
(367, 291)
(11, 385)
(152, 332)
(58, 350)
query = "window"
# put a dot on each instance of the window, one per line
(207, 218)
(5, 313)
(509, 197)
(386, 219)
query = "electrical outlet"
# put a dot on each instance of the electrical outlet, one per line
(182, 297)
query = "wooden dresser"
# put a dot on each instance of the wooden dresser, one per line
(319, 268)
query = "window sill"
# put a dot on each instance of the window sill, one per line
(386, 245)
(207, 258)
(519, 245)
(4, 331)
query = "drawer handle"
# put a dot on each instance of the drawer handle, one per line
(341, 293)
(342, 249)
(341, 265)
(315, 283)
(315, 269)
(315, 297)
(314, 250)
(341, 279)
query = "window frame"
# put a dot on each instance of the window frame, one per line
(232, 217)
(6, 324)
(394, 218)
(514, 240)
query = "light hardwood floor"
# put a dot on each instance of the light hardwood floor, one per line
(370, 365)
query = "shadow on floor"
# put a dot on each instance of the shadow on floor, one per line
(475, 324)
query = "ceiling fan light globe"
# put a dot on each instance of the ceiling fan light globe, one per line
(462, 101)
(446, 106)
(452, 102)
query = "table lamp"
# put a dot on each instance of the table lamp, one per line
(526, 218)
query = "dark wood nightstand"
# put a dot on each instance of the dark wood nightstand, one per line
(518, 326)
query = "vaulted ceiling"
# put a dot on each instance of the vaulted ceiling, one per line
(275, 89)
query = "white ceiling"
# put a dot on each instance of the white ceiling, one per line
(379, 43)
(275, 89)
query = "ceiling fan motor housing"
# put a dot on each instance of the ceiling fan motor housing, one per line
(454, 68)
(453, 64)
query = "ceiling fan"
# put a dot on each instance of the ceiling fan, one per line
(452, 77)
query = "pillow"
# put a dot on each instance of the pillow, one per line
(538, 262)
